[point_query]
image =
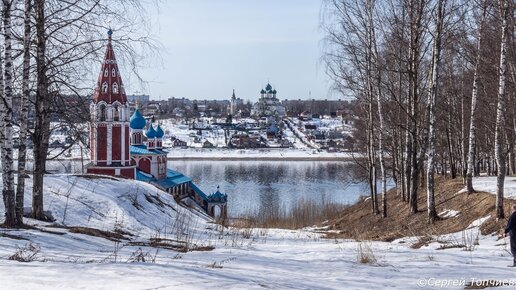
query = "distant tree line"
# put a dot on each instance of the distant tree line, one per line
(435, 80)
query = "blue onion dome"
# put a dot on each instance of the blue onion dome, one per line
(268, 88)
(262, 91)
(137, 121)
(274, 92)
(159, 132)
(151, 133)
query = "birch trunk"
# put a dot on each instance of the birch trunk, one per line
(415, 8)
(500, 113)
(42, 122)
(5, 197)
(474, 96)
(7, 145)
(408, 158)
(370, 93)
(436, 60)
(372, 159)
(373, 53)
(24, 104)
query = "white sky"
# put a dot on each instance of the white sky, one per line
(214, 46)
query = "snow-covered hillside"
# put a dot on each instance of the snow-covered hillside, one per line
(134, 206)
(68, 256)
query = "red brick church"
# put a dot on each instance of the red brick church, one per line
(132, 147)
(109, 131)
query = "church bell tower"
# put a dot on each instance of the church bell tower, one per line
(109, 130)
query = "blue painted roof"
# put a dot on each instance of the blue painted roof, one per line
(217, 197)
(199, 191)
(178, 176)
(151, 133)
(159, 132)
(137, 121)
(173, 178)
(142, 150)
(141, 176)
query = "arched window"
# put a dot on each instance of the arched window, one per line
(137, 138)
(104, 87)
(116, 114)
(115, 88)
(106, 72)
(113, 72)
(102, 115)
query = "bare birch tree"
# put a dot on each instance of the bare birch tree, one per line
(432, 96)
(474, 97)
(377, 80)
(415, 10)
(7, 100)
(24, 108)
(500, 111)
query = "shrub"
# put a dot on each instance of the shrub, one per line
(365, 254)
(26, 254)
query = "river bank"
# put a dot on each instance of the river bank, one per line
(457, 210)
(265, 154)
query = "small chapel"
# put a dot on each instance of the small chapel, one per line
(132, 146)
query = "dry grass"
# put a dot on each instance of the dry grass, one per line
(304, 213)
(358, 218)
(169, 244)
(26, 254)
(14, 237)
(365, 254)
(112, 236)
(422, 241)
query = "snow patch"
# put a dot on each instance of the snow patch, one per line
(488, 184)
(478, 222)
(449, 213)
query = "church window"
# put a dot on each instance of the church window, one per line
(115, 88)
(104, 87)
(102, 112)
(113, 73)
(106, 72)
(116, 114)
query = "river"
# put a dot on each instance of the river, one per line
(276, 185)
(270, 186)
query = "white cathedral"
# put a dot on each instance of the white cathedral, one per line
(268, 105)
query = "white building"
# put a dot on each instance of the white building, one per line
(268, 105)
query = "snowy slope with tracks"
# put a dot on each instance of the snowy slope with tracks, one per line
(69, 257)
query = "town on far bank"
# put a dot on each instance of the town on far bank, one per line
(233, 127)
